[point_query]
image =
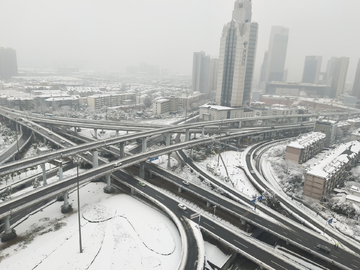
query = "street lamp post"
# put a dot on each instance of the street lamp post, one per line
(78, 160)
(214, 209)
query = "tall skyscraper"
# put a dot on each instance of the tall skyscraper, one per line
(330, 70)
(277, 54)
(237, 57)
(263, 67)
(339, 77)
(356, 86)
(200, 72)
(213, 73)
(312, 66)
(8, 63)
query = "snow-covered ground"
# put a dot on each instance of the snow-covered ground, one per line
(118, 232)
(7, 137)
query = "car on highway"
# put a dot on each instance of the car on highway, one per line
(323, 248)
(185, 183)
(87, 153)
(182, 207)
(141, 183)
(62, 141)
(117, 164)
(50, 133)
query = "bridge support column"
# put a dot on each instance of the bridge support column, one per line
(142, 170)
(208, 204)
(238, 141)
(95, 158)
(243, 222)
(117, 133)
(20, 128)
(108, 189)
(179, 189)
(9, 233)
(66, 207)
(44, 174)
(239, 124)
(187, 135)
(143, 150)
(17, 127)
(75, 129)
(194, 135)
(122, 149)
(60, 172)
(133, 191)
(45, 140)
(95, 133)
(168, 163)
(33, 134)
(203, 132)
(168, 139)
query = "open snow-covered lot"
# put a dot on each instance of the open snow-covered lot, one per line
(118, 232)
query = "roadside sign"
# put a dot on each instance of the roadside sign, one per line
(154, 158)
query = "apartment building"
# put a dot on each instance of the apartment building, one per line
(322, 177)
(98, 101)
(305, 147)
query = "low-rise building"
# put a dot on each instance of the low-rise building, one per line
(322, 177)
(214, 112)
(305, 147)
(161, 106)
(98, 101)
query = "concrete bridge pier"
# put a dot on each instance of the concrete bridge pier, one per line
(17, 127)
(66, 207)
(45, 140)
(194, 135)
(75, 129)
(122, 149)
(133, 191)
(239, 124)
(44, 174)
(9, 233)
(243, 222)
(203, 132)
(168, 162)
(187, 135)
(168, 139)
(95, 133)
(60, 172)
(179, 189)
(144, 140)
(238, 141)
(20, 128)
(95, 159)
(108, 189)
(117, 133)
(142, 170)
(208, 204)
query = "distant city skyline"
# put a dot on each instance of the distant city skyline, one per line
(111, 35)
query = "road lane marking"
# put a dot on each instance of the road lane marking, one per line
(209, 225)
(333, 256)
(355, 266)
(240, 243)
(285, 233)
(279, 265)
(298, 239)
(159, 197)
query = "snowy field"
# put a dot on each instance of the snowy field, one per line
(118, 232)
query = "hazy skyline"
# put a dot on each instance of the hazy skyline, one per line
(113, 34)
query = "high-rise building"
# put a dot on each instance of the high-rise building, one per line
(276, 54)
(237, 57)
(200, 72)
(213, 73)
(8, 63)
(356, 86)
(330, 70)
(263, 67)
(312, 68)
(339, 77)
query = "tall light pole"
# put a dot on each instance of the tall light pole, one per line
(78, 160)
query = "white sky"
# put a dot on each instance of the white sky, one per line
(112, 34)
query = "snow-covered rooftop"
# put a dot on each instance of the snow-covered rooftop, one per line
(335, 159)
(307, 139)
